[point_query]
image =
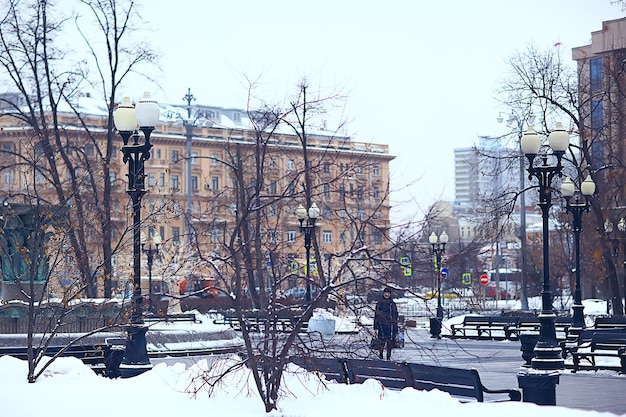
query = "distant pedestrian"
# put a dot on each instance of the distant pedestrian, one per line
(386, 323)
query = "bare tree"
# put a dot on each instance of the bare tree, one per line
(540, 80)
(75, 155)
(248, 251)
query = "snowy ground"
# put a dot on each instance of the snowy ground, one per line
(70, 389)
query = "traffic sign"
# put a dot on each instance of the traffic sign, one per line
(484, 279)
(444, 272)
(466, 278)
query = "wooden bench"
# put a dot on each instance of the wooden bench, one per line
(259, 324)
(532, 325)
(609, 323)
(464, 384)
(606, 344)
(171, 317)
(334, 369)
(484, 327)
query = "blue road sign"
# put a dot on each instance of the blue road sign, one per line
(444, 272)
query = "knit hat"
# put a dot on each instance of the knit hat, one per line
(387, 289)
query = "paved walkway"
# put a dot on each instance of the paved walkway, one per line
(499, 361)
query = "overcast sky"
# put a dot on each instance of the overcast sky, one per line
(418, 75)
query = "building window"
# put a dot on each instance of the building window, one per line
(376, 170)
(328, 236)
(377, 238)
(595, 73)
(214, 159)
(194, 157)
(273, 236)
(291, 165)
(326, 167)
(272, 162)
(291, 189)
(7, 177)
(376, 192)
(359, 169)
(215, 235)
(342, 191)
(215, 183)
(175, 182)
(175, 156)
(162, 179)
(342, 237)
(158, 153)
(342, 213)
(597, 114)
(175, 236)
(273, 210)
(89, 149)
(359, 192)
(326, 190)
(328, 213)
(150, 180)
(272, 189)
(361, 214)
(194, 183)
(291, 236)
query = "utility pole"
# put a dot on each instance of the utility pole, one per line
(189, 136)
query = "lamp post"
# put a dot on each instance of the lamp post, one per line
(150, 251)
(439, 248)
(577, 208)
(608, 230)
(621, 226)
(539, 383)
(127, 117)
(308, 228)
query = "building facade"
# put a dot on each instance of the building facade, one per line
(195, 199)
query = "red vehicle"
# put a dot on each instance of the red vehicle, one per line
(490, 292)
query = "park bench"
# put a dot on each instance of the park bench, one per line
(181, 317)
(532, 325)
(603, 344)
(484, 327)
(333, 369)
(610, 322)
(257, 323)
(463, 384)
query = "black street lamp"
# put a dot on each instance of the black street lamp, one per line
(547, 351)
(150, 251)
(577, 208)
(308, 229)
(621, 226)
(539, 383)
(127, 117)
(439, 248)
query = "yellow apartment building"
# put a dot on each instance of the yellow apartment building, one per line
(192, 193)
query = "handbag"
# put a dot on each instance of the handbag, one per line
(376, 343)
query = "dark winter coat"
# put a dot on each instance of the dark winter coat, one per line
(386, 319)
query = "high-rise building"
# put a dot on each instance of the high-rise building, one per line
(602, 103)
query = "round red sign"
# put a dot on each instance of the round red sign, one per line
(484, 279)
